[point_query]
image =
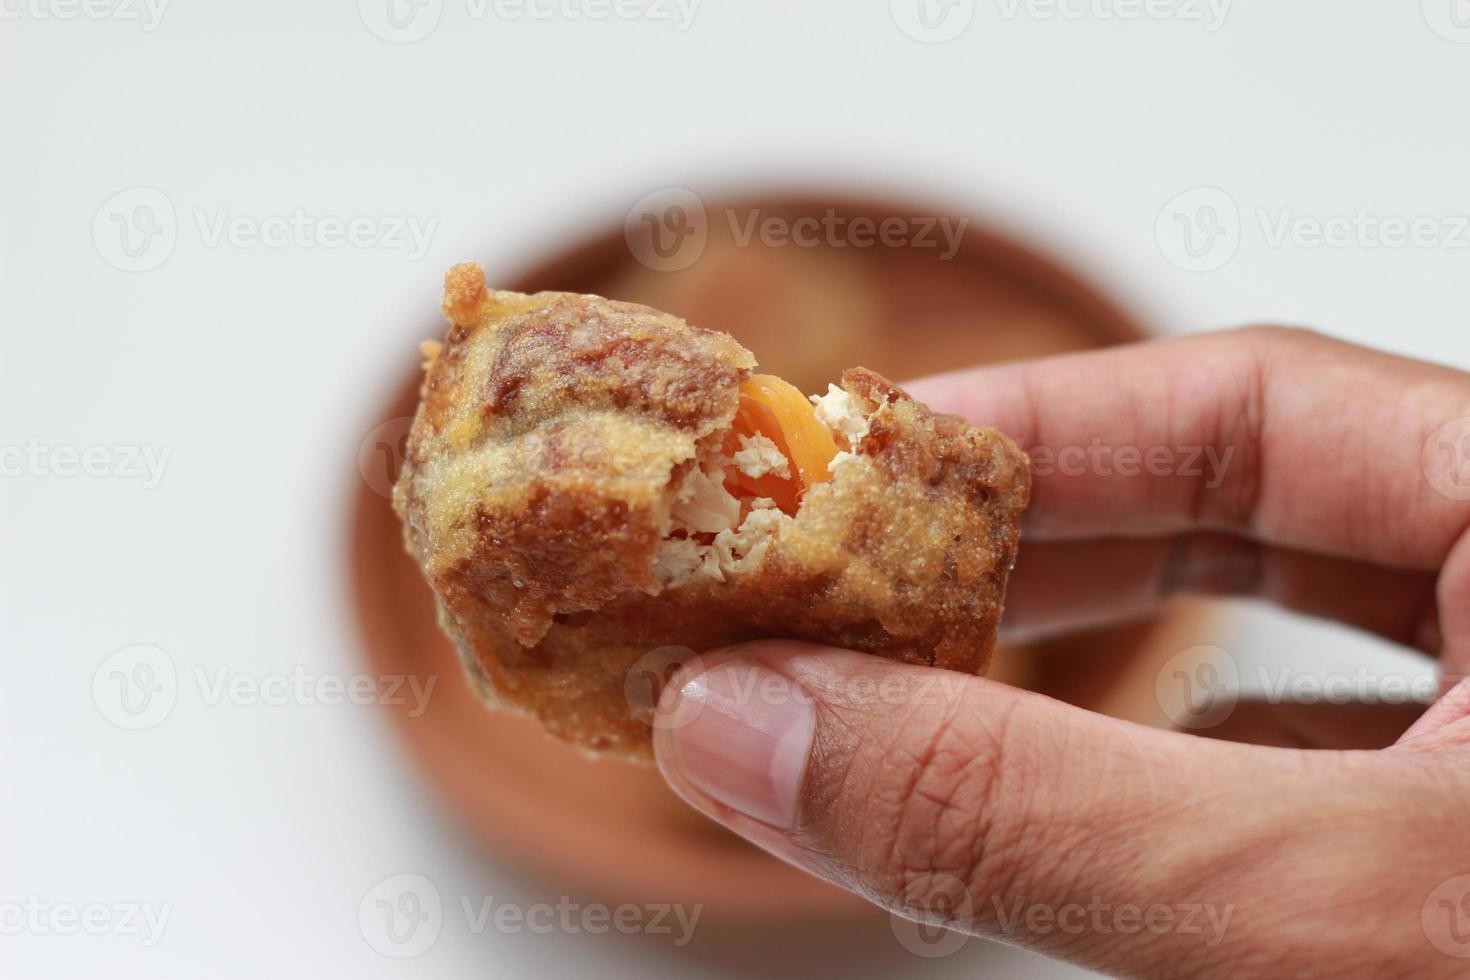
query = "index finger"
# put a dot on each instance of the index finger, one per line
(1281, 435)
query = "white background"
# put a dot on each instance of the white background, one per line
(260, 367)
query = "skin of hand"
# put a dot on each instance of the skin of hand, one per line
(958, 801)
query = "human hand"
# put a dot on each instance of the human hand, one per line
(1335, 491)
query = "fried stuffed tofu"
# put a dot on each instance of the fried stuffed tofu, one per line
(590, 482)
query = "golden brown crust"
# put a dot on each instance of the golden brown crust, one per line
(541, 470)
(550, 429)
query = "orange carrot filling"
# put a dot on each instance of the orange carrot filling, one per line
(777, 410)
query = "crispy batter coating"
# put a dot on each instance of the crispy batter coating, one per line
(554, 434)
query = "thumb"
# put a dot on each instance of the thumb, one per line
(958, 801)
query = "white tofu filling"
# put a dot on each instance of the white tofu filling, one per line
(843, 414)
(759, 456)
(704, 504)
(704, 507)
(681, 560)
